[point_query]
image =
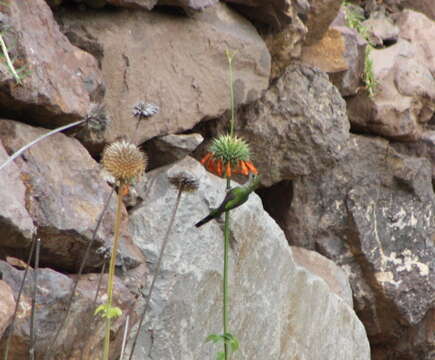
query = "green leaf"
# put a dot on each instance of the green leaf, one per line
(101, 308)
(108, 311)
(220, 356)
(215, 338)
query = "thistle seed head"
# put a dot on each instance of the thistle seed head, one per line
(184, 180)
(124, 161)
(142, 110)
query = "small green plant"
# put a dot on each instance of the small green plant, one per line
(354, 20)
(228, 155)
(369, 76)
(228, 340)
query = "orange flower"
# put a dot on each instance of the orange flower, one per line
(205, 158)
(251, 167)
(221, 167)
(243, 168)
(228, 169)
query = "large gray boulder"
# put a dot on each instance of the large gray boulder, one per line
(373, 215)
(278, 310)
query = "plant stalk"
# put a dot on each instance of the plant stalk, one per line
(9, 61)
(34, 291)
(225, 281)
(11, 328)
(157, 270)
(117, 231)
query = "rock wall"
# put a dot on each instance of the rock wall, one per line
(339, 262)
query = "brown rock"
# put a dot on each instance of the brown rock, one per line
(83, 331)
(16, 224)
(319, 17)
(324, 268)
(285, 46)
(277, 13)
(64, 195)
(167, 149)
(373, 215)
(404, 100)
(60, 81)
(425, 6)
(7, 306)
(298, 127)
(380, 29)
(176, 63)
(139, 4)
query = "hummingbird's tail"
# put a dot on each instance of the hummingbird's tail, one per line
(205, 220)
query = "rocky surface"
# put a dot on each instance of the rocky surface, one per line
(59, 81)
(188, 82)
(297, 316)
(327, 270)
(83, 332)
(298, 127)
(340, 53)
(373, 215)
(167, 149)
(7, 306)
(404, 100)
(63, 193)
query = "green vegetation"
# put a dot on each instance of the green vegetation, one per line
(354, 20)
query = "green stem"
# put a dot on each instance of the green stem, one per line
(9, 61)
(230, 58)
(225, 284)
(117, 230)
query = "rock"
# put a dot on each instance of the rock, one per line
(59, 81)
(277, 13)
(195, 5)
(295, 312)
(340, 53)
(419, 30)
(16, 224)
(298, 127)
(7, 306)
(321, 14)
(380, 29)
(167, 149)
(325, 269)
(424, 6)
(194, 65)
(144, 4)
(404, 100)
(286, 45)
(83, 331)
(64, 196)
(373, 215)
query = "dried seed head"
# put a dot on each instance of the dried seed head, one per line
(97, 119)
(184, 181)
(142, 110)
(124, 161)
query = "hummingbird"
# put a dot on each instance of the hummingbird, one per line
(234, 198)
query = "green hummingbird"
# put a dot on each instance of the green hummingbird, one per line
(234, 198)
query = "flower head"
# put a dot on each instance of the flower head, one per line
(142, 110)
(124, 161)
(184, 180)
(229, 155)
